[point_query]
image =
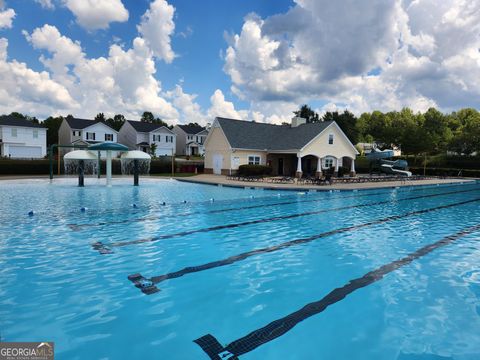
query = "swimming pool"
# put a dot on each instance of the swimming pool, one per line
(174, 270)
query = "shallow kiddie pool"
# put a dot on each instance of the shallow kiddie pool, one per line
(172, 270)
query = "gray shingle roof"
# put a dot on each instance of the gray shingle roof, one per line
(252, 135)
(141, 126)
(14, 121)
(76, 123)
(191, 129)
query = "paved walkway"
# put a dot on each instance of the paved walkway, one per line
(221, 180)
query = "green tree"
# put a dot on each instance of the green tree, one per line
(148, 117)
(53, 125)
(307, 113)
(347, 122)
(117, 122)
(153, 149)
(437, 131)
(466, 137)
(100, 117)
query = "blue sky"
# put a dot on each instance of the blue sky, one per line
(252, 59)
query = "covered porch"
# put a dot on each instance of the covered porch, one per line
(299, 165)
(193, 148)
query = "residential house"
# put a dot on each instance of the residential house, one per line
(297, 149)
(138, 135)
(20, 138)
(190, 139)
(84, 132)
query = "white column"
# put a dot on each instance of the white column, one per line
(298, 174)
(319, 166)
(352, 168)
(109, 167)
(336, 165)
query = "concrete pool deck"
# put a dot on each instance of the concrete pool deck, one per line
(220, 180)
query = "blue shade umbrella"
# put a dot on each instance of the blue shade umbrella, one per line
(108, 146)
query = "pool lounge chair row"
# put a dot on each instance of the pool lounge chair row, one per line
(324, 180)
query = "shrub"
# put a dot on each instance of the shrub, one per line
(445, 172)
(252, 170)
(342, 170)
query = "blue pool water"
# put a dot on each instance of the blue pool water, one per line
(56, 286)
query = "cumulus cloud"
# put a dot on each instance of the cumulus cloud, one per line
(386, 55)
(123, 81)
(22, 88)
(46, 4)
(157, 27)
(6, 18)
(189, 110)
(223, 108)
(94, 14)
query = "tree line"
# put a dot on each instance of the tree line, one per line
(431, 132)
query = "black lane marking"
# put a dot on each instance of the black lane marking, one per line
(107, 248)
(78, 227)
(152, 282)
(277, 328)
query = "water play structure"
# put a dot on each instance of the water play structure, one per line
(378, 160)
(108, 146)
(87, 161)
(135, 162)
(79, 162)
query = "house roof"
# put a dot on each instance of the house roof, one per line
(192, 129)
(260, 136)
(76, 123)
(14, 121)
(146, 127)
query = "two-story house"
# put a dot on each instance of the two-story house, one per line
(75, 131)
(20, 138)
(139, 135)
(190, 139)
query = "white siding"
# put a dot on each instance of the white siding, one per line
(163, 147)
(24, 144)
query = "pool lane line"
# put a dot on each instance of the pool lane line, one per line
(278, 327)
(104, 249)
(148, 285)
(78, 227)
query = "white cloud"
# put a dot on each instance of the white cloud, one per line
(6, 18)
(157, 27)
(22, 88)
(189, 110)
(223, 108)
(46, 4)
(386, 55)
(123, 81)
(95, 14)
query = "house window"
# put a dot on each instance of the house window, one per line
(90, 136)
(14, 132)
(108, 137)
(35, 134)
(169, 138)
(253, 160)
(328, 163)
(330, 139)
(77, 133)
